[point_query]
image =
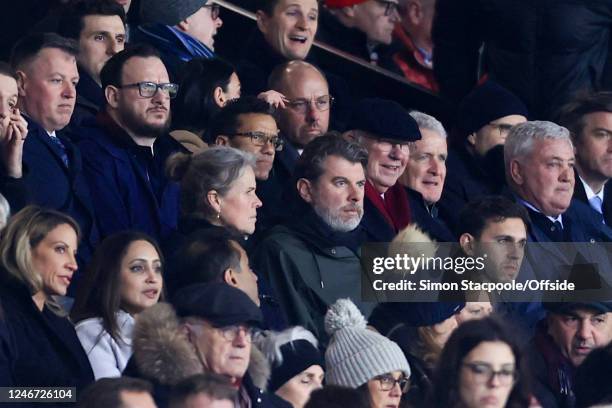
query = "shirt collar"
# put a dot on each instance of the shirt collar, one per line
(552, 219)
(589, 191)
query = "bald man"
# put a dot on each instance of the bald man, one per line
(304, 117)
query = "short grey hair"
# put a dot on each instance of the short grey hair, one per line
(425, 121)
(522, 138)
(270, 342)
(216, 168)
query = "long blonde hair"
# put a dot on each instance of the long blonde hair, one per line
(24, 231)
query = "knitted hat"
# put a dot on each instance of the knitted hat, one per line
(486, 103)
(342, 3)
(355, 354)
(298, 356)
(384, 118)
(168, 12)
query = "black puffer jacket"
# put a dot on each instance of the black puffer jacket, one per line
(542, 50)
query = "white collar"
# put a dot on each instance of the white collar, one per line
(589, 191)
(552, 219)
(52, 134)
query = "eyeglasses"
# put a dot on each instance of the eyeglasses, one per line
(390, 7)
(387, 382)
(261, 139)
(214, 10)
(484, 373)
(502, 128)
(230, 333)
(386, 145)
(149, 89)
(322, 103)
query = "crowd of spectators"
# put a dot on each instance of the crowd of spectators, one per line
(181, 230)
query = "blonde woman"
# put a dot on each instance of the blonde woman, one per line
(38, 344)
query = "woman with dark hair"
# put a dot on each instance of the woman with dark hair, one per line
(39, 346)
(480, 367)
(421, 329)
(123, 279)
(205, 86)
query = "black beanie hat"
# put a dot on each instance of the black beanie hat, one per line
(298, 355)
(486, 103)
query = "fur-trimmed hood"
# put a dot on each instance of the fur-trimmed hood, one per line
(164, 354)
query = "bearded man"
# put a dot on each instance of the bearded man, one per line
(126, 146)
(314, 259)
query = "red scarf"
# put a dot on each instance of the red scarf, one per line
(394, 207)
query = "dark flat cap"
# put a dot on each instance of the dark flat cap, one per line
(384, 118)
(218, 303)
(486, 103)
(567, 307)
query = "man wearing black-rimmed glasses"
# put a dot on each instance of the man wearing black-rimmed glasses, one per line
(126, 146)
(248, 124)
(303, 116)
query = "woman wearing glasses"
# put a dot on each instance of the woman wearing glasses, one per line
(480, 367)
(358, 357)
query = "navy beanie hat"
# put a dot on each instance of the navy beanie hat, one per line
(414, 314)
(486, 103)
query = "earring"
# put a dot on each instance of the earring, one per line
(219, 215)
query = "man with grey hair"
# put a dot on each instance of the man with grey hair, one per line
(314, 259)
(425, 174)
(539, 161)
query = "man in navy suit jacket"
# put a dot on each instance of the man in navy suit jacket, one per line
(589, 120)
(539, 160)
(47, 76)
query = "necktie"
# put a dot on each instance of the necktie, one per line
(61, 150)
(557, 230)
(596, 203)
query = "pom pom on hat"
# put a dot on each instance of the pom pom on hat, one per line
(343, 315)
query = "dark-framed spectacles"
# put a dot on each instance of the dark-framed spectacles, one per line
(261, 139)
(149, 89)
(321, 103)
(502, 128)
(215, 10)
(230, 333)
(386, 145)
(390, 7)
(484, 373)
(387, 382)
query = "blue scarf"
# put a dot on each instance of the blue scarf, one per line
(170, 41)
